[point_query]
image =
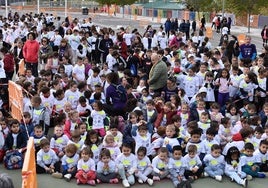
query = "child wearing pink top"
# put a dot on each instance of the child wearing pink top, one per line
(223, 84)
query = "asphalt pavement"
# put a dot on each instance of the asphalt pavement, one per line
(45, 181)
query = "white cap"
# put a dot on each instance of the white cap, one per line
(202, 90)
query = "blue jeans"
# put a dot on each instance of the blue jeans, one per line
(212, 171)
(234, 176)
(122, 173)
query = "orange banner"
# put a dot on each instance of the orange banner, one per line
(28, 172)
(15, 100)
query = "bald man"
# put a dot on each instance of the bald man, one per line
(158, 75)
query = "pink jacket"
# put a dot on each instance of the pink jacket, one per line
(30, 51)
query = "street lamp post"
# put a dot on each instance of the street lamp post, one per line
(6, 8)
(223, 7)
(38, 6)
(65, 8)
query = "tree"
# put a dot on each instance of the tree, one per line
(117, 2)
(199, 5)
(243, 7)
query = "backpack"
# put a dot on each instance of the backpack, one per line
(121, 91)
(13, 160)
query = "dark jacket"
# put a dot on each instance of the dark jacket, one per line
(21, 141)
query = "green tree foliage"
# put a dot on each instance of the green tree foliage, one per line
(245, 6)
(200, 5)
(117, 2)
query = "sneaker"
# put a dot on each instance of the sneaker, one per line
(261, 175)
(156, 178)
(206, 174)
(125, 183)
(150, 181)
(99, 181)
(56, 175)
(249, 177)
(218, 178)
(67, 177)
(140, 181)
(245, 183)
(114, 181)
(91, 182)
(78, 182)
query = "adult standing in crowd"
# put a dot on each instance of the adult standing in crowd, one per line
(30, 53)
(264, 35)
(248, 50)
(114, 105)
(167, 26)
(158, 75)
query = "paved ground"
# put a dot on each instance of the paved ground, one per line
(45, 181)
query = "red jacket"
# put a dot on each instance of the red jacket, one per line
(161, 114)
(30, 51)
(9, 62)
(67, 127)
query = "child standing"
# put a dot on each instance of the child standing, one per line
(86, 168)
(177, 169)
(194, 168)
(223, 84)
(144, 167)
(231, 167)
(208, 84)
(98, 115)
(46, 160)
(214, 163)
(160, 165)
(106, 168)
(126, 165)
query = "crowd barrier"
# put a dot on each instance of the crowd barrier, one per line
(29, 179)
(15, 100)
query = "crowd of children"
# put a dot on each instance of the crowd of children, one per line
(210, 120)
